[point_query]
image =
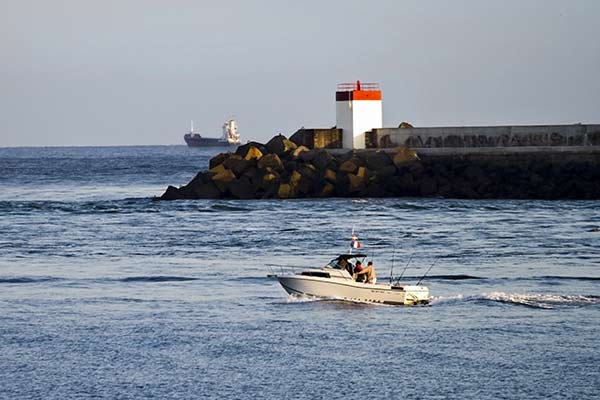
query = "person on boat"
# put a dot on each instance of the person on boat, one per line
(358, 268)
(368, 273)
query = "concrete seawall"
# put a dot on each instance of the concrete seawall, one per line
(508, 139)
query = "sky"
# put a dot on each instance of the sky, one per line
(135, 72)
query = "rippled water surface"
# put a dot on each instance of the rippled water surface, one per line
(106, 293)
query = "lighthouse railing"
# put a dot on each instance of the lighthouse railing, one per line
(348, 87)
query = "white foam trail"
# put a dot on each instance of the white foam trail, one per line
(537, 300)
(439, 300)
(302, 299)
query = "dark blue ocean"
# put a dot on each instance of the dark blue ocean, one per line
(105, 293)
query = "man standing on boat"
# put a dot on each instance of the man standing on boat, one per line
(369, 273)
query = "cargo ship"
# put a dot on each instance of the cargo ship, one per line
(230, 137)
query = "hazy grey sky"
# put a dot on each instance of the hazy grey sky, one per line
(107, 72)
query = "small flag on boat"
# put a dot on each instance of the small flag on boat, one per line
(355, 244)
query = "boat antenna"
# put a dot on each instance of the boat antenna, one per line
(406, 266)
(431, 266)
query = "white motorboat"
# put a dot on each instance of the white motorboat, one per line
(335, 281)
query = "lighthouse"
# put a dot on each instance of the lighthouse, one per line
(358, 110)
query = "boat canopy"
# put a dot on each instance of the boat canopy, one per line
(350, 256)
(343, 261)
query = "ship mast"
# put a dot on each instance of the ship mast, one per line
(192, 127)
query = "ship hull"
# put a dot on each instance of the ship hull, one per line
(193, 141)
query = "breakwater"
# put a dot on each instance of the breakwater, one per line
(285, 169)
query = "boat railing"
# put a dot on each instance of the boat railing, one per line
(277, 270)
(281, 270)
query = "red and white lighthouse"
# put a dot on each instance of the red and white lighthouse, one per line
(358, 110)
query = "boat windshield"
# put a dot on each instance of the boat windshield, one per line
(344, 261)
(334, 264)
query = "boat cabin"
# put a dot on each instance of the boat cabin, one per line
(346, 262)
(340, 267)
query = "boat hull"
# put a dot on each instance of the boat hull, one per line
(354, 291)
(194, 141)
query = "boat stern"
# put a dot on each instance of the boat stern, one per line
(415, 295)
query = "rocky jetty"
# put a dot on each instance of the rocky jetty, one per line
(282, 169)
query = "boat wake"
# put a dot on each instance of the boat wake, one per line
(292, 299)
(539, 300)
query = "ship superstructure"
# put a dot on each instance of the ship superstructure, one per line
(230, 137)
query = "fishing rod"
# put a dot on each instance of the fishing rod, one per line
(431, 266)
(406, 266)
(392, 269)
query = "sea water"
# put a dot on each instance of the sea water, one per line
(105, 293)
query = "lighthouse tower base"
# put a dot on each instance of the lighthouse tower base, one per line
(358, 110)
